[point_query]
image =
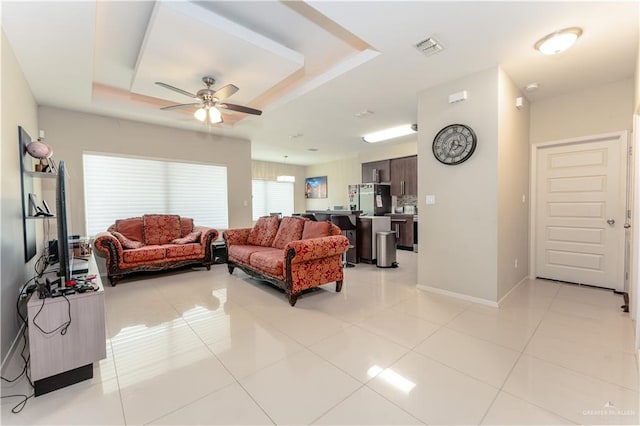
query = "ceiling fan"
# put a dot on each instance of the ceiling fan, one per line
(209, 100)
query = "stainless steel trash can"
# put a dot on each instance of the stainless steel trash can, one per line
(386, 242)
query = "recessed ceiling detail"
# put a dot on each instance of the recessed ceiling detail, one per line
(184, 40)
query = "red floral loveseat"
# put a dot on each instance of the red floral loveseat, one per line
(154, 242)
(292, 253)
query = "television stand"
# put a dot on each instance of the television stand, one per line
(59, 360)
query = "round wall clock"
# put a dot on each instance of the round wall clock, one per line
(454, 144)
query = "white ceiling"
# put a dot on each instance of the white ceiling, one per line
(309, 66)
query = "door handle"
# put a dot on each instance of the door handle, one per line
(401, 187)
(627, 225)
(611, 221)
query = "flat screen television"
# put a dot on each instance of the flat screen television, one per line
(64, 255)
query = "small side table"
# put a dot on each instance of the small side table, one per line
(219, 249)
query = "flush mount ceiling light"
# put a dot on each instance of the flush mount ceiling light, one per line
(558, 41)
(393, 132)
(531, 87)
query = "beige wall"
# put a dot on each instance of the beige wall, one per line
(513, 185)
(600, 109)
(348, 171)
(270, 171)
(72, 133)
(19, 108)
(339, 175)
(637, 76)
(458, 235)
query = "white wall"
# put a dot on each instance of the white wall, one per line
(18, 109)
(270, 171)
(600, 109)
(458, 235)
(513, 184)
(72, 133)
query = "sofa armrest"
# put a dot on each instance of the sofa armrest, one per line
(316, 248)
(236, 236)
(208, 234)
(105, 242)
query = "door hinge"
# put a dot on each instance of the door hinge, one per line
(628, 214)
(630, 151)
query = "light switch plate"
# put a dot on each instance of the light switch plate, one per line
(431, 199)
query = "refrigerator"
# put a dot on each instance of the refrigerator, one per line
(374, 199)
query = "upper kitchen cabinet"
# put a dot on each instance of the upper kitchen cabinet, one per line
(376, 172)
(404, 175)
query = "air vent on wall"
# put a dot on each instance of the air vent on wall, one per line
(430, 46)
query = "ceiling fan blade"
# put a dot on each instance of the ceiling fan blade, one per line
(180, 106)
(240, 108)
(225, 91)
(175, 89)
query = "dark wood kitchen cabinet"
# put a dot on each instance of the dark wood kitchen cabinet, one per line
(404, 175)
(402, 225)
(376, 172)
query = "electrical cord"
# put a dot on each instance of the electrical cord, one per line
(25, 370)
(62, 327)
(39, 267)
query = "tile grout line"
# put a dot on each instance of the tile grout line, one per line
(501, 389)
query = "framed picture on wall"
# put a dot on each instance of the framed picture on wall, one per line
(315, 187)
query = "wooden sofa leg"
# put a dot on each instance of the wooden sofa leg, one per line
(293, 298)
(338, 286)
(113, 279)
(230, 267)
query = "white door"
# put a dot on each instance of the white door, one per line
(580, 211)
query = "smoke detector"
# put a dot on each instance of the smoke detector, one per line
(429, 46)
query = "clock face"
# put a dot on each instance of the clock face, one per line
(454, 144)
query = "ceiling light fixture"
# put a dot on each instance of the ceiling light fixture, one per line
(393, 132)
(558, 41)
(531, 87)
(208, 114)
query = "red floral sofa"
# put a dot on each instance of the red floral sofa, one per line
(154, 242)
(292, 253)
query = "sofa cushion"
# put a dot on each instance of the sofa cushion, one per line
(126, 242)
(264, 231)
(143, 254)
(183, 250)
(193, 237)
(269, 261)
(186, 226)
(315, 229)
(160, 228)
(130, 228)
(242, 253)
(290, 230)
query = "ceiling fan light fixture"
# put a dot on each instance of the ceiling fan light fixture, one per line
(393, 132)
(200, 114)
(214, 115)
(558, 41)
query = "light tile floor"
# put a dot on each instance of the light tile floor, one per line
(205, 347)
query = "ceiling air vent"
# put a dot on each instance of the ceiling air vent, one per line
(430, 46)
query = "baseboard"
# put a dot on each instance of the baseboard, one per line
(458, 295)
(526, 278)
(13, 347)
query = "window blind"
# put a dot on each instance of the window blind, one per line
(120, 187)
(271, 197)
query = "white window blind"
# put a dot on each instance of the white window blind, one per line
(121, 187)
(270, 196)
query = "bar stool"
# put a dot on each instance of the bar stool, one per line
(344, 223)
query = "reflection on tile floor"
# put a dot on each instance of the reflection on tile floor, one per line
(206, 347)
